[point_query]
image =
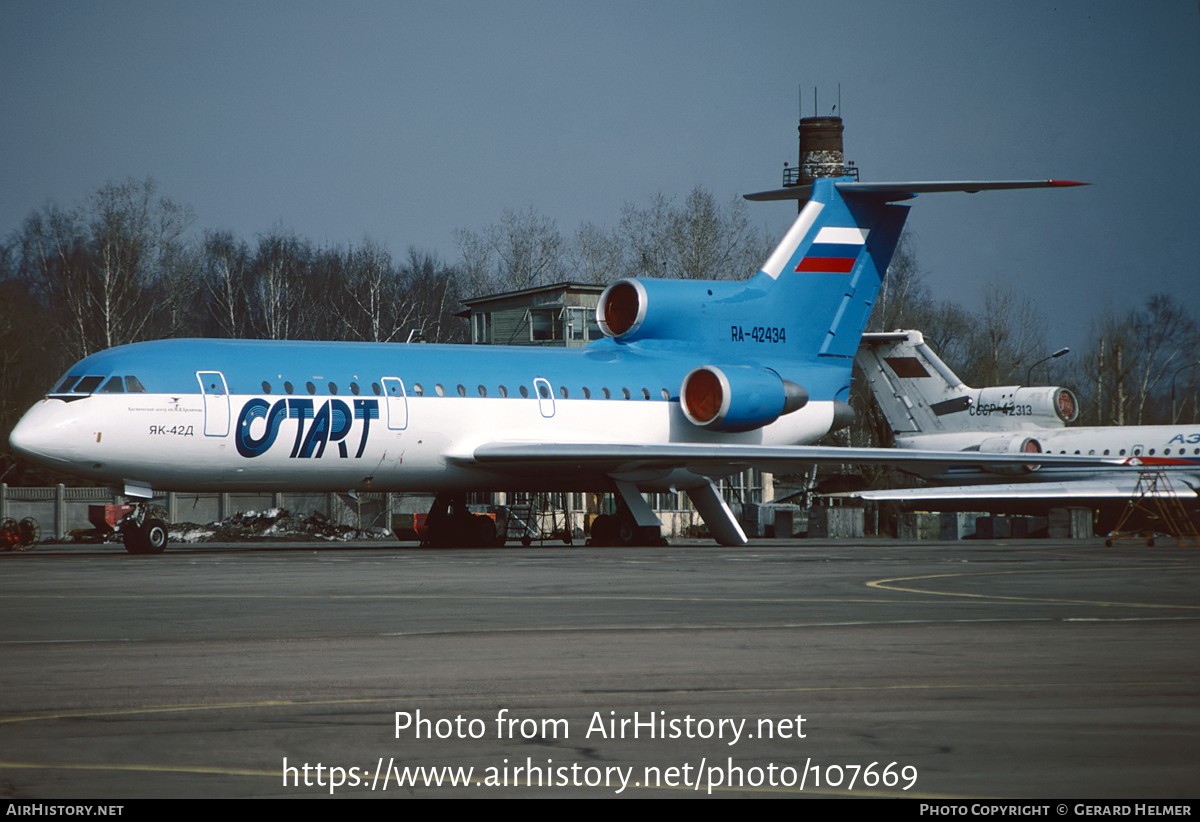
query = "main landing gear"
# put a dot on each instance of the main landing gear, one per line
(622, 529)
(634, 523)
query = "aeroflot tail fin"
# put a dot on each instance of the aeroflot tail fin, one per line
(915, 390)
(919, 394)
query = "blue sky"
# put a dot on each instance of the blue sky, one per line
(405, 121)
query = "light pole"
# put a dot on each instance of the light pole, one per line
(1029, 371)
(1173, 376)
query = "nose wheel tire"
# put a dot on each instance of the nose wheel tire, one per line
(148, 538)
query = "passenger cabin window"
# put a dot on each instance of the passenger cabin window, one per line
(287, 387)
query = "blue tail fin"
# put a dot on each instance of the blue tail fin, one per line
(811, 299)
(829, 267)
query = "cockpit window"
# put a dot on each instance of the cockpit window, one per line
(87, 385)
(114, 386)
(66, 384)
(133, 385)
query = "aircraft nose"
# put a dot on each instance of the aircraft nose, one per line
(37, 436)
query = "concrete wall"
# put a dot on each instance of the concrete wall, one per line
(60, 510)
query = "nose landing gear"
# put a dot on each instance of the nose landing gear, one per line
(143, 534)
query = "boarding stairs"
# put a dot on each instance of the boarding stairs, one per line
(1162, 506)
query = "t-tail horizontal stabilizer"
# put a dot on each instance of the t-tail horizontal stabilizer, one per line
(890, 192)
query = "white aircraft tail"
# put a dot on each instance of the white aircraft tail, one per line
(919, 394)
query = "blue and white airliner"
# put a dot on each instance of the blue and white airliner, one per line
(694, 380)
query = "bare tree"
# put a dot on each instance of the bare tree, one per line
(27, 361)
(1166, 338)
(225, 264)
(644, 236)
(699, 240)
(523, 250)
(1134, 357)
(1009, 335)
(111, 266)
(903, 298)
(432, 291)
(593, 256)
(277, 289)
(375, 308)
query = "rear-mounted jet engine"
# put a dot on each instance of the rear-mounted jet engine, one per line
(738, 397)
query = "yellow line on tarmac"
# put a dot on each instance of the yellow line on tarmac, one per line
(191, 769)
(518, 698)
(891, 584)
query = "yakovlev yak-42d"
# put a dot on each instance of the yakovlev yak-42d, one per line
(694, 381)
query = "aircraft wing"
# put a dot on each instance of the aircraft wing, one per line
(720, 459)
(1116, 488)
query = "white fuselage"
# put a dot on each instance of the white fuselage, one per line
(173, 443)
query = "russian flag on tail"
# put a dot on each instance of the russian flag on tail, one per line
(834, 250)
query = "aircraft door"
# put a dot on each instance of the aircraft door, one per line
(397, 403)
(216, 403)
(545, 396)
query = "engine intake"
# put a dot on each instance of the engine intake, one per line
(734, 398)
(1053, 405)
(622, 308)
(635, 309)
(1011, 445)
